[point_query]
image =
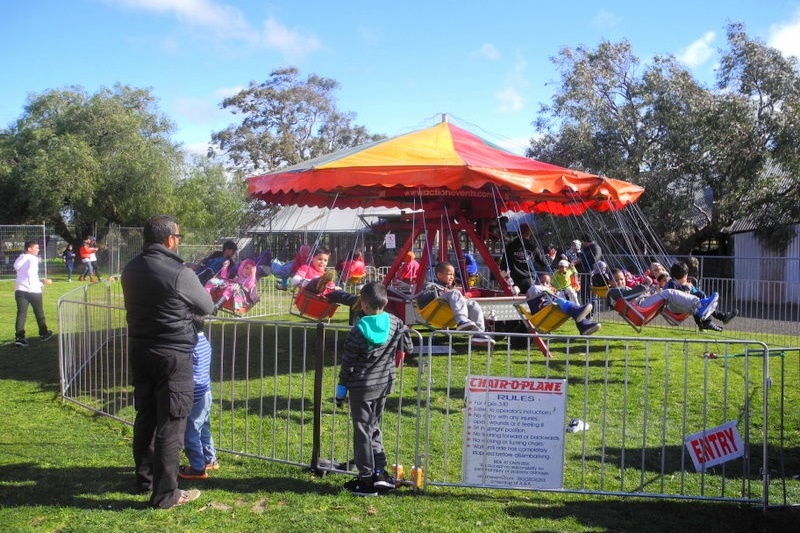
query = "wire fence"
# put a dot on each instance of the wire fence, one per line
(649, 406)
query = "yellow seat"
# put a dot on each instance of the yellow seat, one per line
(355, 280)
(600, 290)
(437, 314)
(545, 320)
(311, 305)
(473, 281)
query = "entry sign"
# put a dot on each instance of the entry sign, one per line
(514, 432)
(715, 445)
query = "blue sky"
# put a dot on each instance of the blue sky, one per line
(400, 64)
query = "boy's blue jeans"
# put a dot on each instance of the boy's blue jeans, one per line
(198, 442)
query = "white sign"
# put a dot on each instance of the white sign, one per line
(514, 432)
(714, 446)
(389, 241)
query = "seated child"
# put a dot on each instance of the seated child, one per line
(354, 269)
(468, 313)
(284, 271)
(406, 276)
(679, 280)
(677, 302)
(600, 276)
(242, 289)
(542, 294)
(312, 277)
(566, 281)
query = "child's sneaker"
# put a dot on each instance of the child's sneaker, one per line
(22, 342)
(483, 340)
(467, 325)
(187, 472)
(707, 306)
(47, 336)
(213, 465)
(361, 487)
(383, 481)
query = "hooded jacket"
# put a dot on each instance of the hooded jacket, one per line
(368, 360)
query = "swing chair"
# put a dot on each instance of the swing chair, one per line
(437, 314)
(674, 319)
(548, 318)
(637, 316)
(231, 305)
(306, 304)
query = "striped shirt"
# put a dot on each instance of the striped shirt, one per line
(201, 366)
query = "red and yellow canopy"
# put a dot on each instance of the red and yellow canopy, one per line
(443, 163)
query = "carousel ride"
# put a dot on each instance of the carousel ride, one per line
(452, 187)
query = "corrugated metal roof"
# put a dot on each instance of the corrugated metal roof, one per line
(314, 219)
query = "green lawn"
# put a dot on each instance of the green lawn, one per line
(62, 469)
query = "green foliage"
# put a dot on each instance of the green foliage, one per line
(286, 120)
(78, 159)
(211, 198)
(699, 152)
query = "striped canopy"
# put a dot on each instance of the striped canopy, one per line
(441, 164)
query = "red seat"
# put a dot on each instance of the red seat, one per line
(313, 306)
(674, 319)
(636, 315)
(229, 305)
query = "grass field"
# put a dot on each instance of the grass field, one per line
(62, 469)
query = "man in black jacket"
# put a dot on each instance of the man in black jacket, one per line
(162, 296)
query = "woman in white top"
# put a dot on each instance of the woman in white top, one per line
(28, 290)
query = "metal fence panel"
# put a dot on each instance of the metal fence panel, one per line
(274, 384)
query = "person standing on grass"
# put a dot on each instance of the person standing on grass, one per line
(162, 296)
(28, 291)
(69, 260)
(198, 442)
(367, 372)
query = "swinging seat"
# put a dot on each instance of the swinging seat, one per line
(674, 319)
(600, 291)
(437, 314)
(310, 305)
(354, 281)
(545, 320)
(229, 306)
(636, 315)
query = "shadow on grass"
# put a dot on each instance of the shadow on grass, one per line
(29, 484)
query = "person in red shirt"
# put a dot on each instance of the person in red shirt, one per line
(85, 253)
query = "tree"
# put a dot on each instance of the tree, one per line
(686, 144)
(285, 120)
(770, 84)
(210, 198)
(74, 159)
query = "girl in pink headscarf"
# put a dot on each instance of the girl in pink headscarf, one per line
(241, 291)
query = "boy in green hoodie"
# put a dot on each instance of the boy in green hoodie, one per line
(367, 373)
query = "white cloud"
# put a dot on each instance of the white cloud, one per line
(786, 36)
(228, 23)
(509, 100)
(488, 51)
(698, 52)
(605, 20)
(290, 42)
(198, 110)
(224, 92)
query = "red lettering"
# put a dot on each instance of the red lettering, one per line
(697, 448)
